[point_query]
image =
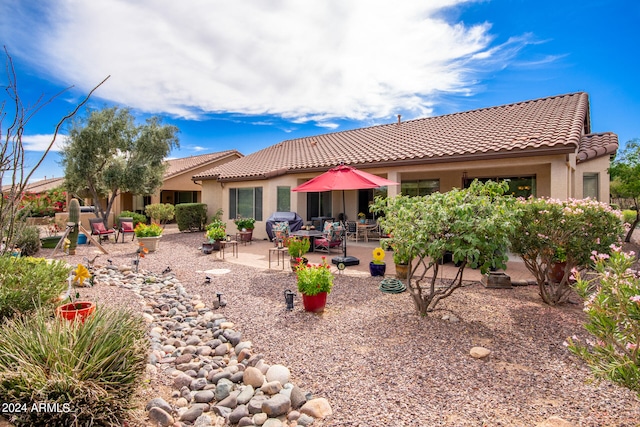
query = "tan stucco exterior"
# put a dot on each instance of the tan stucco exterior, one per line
(557, 176)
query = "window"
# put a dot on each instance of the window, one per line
(519, 186)
(318, 204)
(283, 202)
(422, 187)
(590, 185)
(245, 202)
(366, 198)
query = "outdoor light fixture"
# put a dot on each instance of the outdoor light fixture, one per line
(280, 244)
(288, 298)
(207, 279)
(228, 238)
(220, 302)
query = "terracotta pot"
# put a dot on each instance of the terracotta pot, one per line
(402, 270)
(79, 309)
(377, 269)
(314, 303)
(556, 273)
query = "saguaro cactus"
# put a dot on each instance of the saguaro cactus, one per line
(74, 217)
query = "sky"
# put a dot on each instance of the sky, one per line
(246, 75)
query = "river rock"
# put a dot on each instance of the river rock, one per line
(317, 408)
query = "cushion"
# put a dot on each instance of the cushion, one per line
(98, 227)
(126, 226)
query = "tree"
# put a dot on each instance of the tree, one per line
(107, 154)
(625, 175)
(473, 224)
(13, 176)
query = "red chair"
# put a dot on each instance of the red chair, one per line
(125, 226)
(98, 229)
(332, 238)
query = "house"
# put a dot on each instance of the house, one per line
(543, 147)
(177, 187)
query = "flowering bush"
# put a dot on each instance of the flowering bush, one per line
(44, 204)
(612, 304)
(144, 230)
(552, 231)
(313, 279)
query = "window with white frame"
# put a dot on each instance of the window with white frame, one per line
(590, 186)
(283, 201)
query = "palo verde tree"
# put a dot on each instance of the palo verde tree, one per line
(625, 175)
(15, 116)
(473, 224)
(107, 154)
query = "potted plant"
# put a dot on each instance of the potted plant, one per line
(148, 235)
(362, 217)
(401, 258)
(377, 267)
(314, 283)
(245, 227)
(558, 265)
(75, 309)
(298, 246)
(215, 233)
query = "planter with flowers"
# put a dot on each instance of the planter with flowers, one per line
(362, 217)
(298, 246)
(245, 227)
(377, 267)
(149, 235)
(314, 283)
(75, 309)
(215, 234)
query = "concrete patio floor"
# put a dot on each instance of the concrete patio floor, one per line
(256, 254)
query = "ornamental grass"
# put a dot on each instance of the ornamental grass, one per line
(86, 373)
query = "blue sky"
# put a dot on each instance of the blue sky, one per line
(249, 74)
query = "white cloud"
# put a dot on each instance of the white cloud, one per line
(41, 142)
(300, 60)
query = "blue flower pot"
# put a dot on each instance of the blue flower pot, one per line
(377, 269)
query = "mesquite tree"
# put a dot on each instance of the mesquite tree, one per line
(14, 118)
(107, 154)
(625, 175)
(472, 224)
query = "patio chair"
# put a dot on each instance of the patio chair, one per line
(332, 238)
(280, 231)
(125, 226)
(98, 229)
(351, 229)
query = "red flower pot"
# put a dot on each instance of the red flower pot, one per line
(314, 303)
(80, 310)
(556, 273)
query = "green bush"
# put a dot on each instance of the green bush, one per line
(88, 370)
(28, 240)
(629, 215)
(160, 212)
(137, 218)
(27, 283)
(191, 216)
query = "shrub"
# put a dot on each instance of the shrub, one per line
(473, 224)
(160, 212)
(612, 305)
(191, 216)
(27, 283)
(137, 218)
(28, 240)
(89, 370)
(552, 231)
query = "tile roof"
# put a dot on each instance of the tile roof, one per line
(178, 166)
(537, 127)
(40, 186)
(597, 145)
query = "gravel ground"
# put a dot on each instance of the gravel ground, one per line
(380, 364)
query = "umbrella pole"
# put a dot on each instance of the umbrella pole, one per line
(344, 259)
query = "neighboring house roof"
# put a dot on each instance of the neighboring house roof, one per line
(597, 145)
(538, 127)
(179, 166)
(40, 186)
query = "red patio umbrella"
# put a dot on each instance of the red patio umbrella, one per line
(343, 178)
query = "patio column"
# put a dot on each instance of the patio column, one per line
(393, 190)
